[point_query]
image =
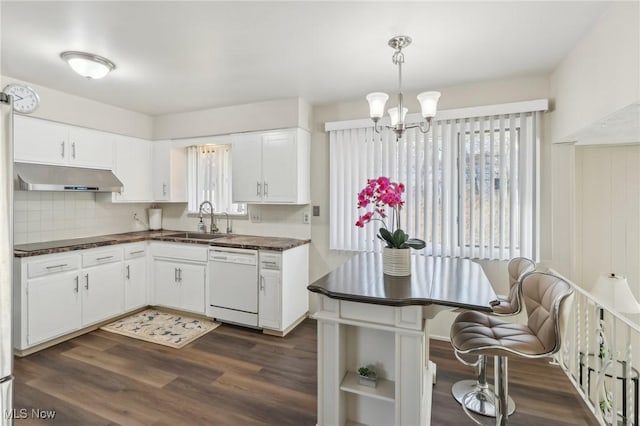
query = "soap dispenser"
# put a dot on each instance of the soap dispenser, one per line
(201, 226)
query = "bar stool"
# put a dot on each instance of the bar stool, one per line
(547, 299)
(482, 393)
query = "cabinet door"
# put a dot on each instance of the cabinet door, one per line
(246, 168)
(54, 306)
(135, 283)
(165, 279)
(40, 141)
(90, 148)
(192, 284)
(102, 292)
(279, 167)
(269, 299)
(133, 168)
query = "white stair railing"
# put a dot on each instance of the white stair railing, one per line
(598, 355)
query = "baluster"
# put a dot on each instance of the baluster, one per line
(613, 370)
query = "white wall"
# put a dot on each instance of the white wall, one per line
(275, 114)
(66, 108)
(608, 213)
(601, 75)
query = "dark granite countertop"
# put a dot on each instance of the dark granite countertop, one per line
(448, 281)
(221, 240)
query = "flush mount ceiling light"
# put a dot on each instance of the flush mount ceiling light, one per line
(377, 100)
(87, 64)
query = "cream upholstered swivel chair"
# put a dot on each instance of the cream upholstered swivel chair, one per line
(547, 299)
(483, 396)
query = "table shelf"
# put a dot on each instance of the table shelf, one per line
(385, 390)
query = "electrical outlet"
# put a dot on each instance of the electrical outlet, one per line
(316, 210)
(305, 217)
(255, 217)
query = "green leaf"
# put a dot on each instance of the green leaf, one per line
(415, 243)
(386, 235)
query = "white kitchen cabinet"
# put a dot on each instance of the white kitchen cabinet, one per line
(133, 166)
(102, 284)
(169, 171)
(53, 306)
(283, 300)
(48, 142)
(179, 275)
(179, 285)
(271, 167)
(269, 300)
(39, 141)
(90, 148)
(135, 276)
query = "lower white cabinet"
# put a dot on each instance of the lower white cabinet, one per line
(102, 292)
(269, 300)
(135, 276)
(179, 276)
(283, 300)
(53, 306)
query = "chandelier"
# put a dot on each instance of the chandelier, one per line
(377, 100)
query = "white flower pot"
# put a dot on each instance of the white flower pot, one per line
(396, 262)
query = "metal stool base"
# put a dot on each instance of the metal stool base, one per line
(483, 399)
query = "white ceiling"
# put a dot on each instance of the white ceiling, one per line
(184, 56)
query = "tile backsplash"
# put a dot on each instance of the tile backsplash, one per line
(45, 216)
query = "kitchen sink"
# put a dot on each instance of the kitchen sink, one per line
(196, 236)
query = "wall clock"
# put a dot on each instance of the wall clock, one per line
(25, 99)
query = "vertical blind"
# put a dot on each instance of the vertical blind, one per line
(471, 185)
(209, 178)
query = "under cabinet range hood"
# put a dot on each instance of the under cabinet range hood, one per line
(44, 177)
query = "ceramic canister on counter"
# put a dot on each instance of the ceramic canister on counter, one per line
(155, 219)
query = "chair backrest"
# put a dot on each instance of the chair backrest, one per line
(548, 301)
(517, 268)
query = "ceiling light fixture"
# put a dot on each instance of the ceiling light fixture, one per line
(87, 64)
(377, 100)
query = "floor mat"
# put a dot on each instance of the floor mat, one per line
(162, 328)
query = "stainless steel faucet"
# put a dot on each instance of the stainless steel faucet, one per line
(212, 228)
(228, 224)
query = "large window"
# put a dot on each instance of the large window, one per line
(209, 168)
(470, 185)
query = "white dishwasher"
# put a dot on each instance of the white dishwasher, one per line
(233, 285)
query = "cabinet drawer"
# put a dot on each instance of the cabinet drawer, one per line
(100, 257)
(135, 250)
(52, 265)
(180, 251)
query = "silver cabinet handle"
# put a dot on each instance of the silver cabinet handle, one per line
(86, 277)
(128, 272)
(179, 274)
(266, 189)
(62, 265)
(62, 149)
(258, 188)
(104, 257)
(137, 252)
(164, 189)
(77, 280)
(261, 283)
(73, 150)
(175, 274)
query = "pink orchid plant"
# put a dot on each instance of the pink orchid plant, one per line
(379, 194)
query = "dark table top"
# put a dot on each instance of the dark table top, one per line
(448, 281)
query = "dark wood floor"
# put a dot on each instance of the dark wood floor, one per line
(236, 376)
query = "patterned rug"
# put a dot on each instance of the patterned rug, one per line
(161, 328)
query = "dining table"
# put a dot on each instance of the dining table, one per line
(367, 319)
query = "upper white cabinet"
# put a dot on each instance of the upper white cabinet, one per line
(42, 141)
(169, 172)
(271, 167)
(133, 166)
